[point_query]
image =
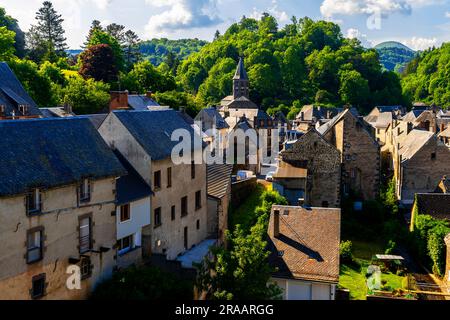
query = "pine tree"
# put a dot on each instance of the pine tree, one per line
(96, 25)
(131, 48)
(117, 31)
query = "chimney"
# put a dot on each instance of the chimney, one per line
(67, 108)
(149, 94)
(118, 100)
(409, 128)
(302, 116)
(276, 223)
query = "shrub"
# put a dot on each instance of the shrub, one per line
(391, 247)
(346, 251)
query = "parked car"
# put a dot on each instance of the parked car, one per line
(244, 175)
(269, 176)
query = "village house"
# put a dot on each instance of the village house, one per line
(436, 205)
(444, 136)
(179, 203)
(420, 163)
(304, 246)
(133, 214)
(314, 116)
(57, 196)
(360, 154)
(309, 172)
(15, 103)
(219, 196)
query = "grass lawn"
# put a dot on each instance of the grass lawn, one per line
(244, 215)
(353, 278)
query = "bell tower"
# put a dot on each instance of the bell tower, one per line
(240, 81)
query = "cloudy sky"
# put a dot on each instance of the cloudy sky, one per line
(417, 23)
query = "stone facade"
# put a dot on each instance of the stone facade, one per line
(360, 155)
(60, 225)
(323, 163)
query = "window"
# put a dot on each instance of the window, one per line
(2, 110)
(38, 286)
(184, 206)
(34, 204)
(85, 191)
(23, 109)
(169, 177)
(198, 200)
(85, 268)
(85, 234)
(157, 180)
(193, 170)
(124, 213)
(172, 213)
(433, 156)
(157, 217)
(198, 224)
(125, 245)
(34, 245)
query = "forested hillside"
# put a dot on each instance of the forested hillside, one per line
(158, 50)
(427, 77)
(394, 56)
(305, 62)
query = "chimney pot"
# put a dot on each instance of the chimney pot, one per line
(276, 223)
(149, 94)
(118, 100)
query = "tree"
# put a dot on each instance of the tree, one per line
(131, 49)
(117, 31)
(354, 89)
(98, 62)
(12, 25)
(7, 49)
(101, 37)
(52, 72)
(95, 25)
(48, 33)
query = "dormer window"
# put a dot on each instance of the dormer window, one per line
(33, 202)
(84, 191)
(23, 108)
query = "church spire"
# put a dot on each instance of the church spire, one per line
(240, 81)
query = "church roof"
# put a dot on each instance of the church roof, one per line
(240, 74)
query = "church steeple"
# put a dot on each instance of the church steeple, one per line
(240, 81)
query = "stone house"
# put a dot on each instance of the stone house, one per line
(15, 102)
(219, 197)
(314, 116)
(360, 154)
(304, 246)
(310, 170)
(179, 203)
(57, 196)
(445, 136)
(421, 162)
(132, 214)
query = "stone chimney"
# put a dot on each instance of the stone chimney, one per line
(118, 100)
(67, 108)
(409, 127)
(276, 223)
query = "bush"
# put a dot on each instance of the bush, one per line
(391, 247)
(346, 251)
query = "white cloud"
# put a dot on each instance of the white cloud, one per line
(182, 14)
(274, 10)
(417, 43)
(353, 33)
(447, 14)
(330, 8)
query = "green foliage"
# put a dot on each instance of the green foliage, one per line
(146, 283)
(426, 78)
(430, 234)
(389, 198)
(98, 36)
(177, 100)
(391, 247)
(52, 72)
(99, 63)
(12, 25)
(157, 50)
(307, 59)
(7, 40)
(346, 252)
(394, 56)
(85, 96)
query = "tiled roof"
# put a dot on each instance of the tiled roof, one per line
(390, 109)
(12, 93)
(308, 245)
(218, 179)
(130, 187)
(384, 120)
(46, 153)
(153, 130)
(141, 102)
(415, 140)
(436, 205)
(412, 115)
(445, 133)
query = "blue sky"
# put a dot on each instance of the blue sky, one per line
(417, 23)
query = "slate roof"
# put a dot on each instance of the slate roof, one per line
(46, 153)
(218, 179)
(96, 119)
(384, 120)
(308, 245)
(153, 130)
(413, 142)
(389, 108)
(436, 205)
(56, 112)
(141, 102)
(330, 124)
(213, 115)
(240, 74)
(130, 187)
(242, 103)
(311, 112)
(445, 133)
(12, 93)
(412, 115)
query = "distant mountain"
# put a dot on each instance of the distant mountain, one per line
(394, 56)
(156, 50)
(74, 52)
